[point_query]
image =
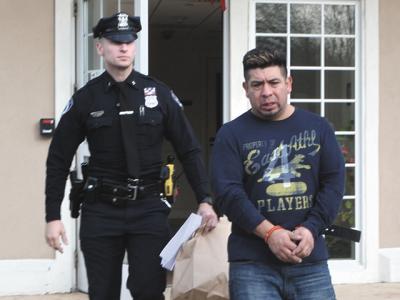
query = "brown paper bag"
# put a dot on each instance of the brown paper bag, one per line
(201, 268)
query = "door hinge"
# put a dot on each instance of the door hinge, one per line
(75, 9)
(76, 259)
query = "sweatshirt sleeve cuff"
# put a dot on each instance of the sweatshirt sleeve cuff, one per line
(313, 229)
(254, 222)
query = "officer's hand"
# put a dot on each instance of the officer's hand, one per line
(210, 219)
(281, 244)
(305, 241)
(54, 231)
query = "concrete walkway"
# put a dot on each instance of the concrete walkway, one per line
(372, 291)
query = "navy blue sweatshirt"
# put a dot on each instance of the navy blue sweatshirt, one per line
(290, 172)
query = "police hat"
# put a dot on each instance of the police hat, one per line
(119, 28)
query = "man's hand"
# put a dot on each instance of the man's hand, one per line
(281, 244)
(306, 242)
(210, 219)
(54, 231)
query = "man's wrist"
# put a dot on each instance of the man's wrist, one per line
(207, 200)
(271, 231)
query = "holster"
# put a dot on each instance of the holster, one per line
(77, 192)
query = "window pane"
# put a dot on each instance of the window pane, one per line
(305, 51)
(340, 115)
(271, 18)
(313, 107)
(350, 181)
(339, 248)
(346, 143)
(305, 18)
(339, 84)
(339, 52)
(346, 215)
(272, 43)
(306, 84)
(110, 7)
(128, 7)
(93, 58)
(339, 19)
(93, 13)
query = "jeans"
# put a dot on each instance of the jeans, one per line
(257, 281)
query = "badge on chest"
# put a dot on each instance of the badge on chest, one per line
(150, 97)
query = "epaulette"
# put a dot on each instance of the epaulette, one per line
(96, 79)
(160, 83)
(89, 83)
(80, 90)
(150, 78)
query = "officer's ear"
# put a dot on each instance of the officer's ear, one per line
(99, 47)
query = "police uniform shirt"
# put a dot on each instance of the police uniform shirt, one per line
(93, 112)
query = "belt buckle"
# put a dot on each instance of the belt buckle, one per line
(133, 185)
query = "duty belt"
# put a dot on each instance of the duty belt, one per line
(131, 190)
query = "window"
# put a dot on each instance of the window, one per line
(321, 41)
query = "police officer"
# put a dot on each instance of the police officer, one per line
(124, 115)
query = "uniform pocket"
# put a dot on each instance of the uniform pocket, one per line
(150, 128)
(94, 123)
(152, 117)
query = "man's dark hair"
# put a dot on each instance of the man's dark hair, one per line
(263, 58)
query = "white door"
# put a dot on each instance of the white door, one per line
(89, 65)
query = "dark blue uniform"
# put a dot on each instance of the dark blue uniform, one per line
(140, 225)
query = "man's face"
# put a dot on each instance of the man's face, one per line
(267, 90)
(116, 55)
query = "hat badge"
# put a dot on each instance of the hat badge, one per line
(123, 21)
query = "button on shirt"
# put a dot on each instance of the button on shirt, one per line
(94, 114)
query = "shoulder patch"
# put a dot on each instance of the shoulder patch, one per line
(176, 99)
(68, 106)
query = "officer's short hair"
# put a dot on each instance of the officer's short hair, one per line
(263, 58)
(120, 28)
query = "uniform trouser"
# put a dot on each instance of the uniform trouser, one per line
(141, 229)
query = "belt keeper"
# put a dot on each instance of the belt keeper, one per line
(269, 232)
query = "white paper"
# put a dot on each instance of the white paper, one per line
(170, 251)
